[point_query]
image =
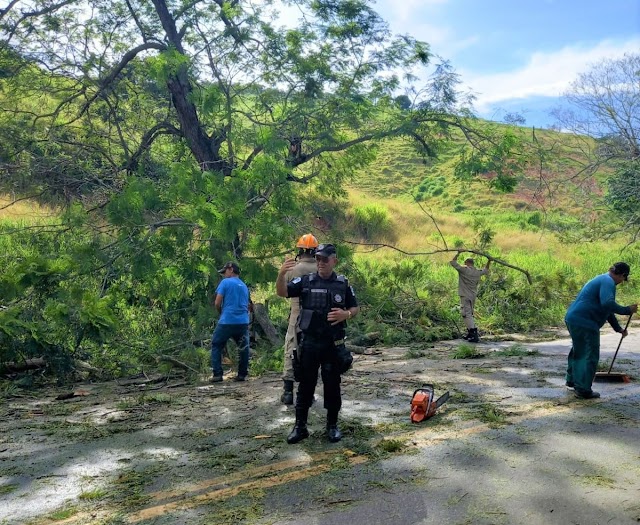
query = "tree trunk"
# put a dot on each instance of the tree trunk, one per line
(28, 364)
(204, 148)
(262, 318)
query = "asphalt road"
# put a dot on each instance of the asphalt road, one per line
(512, 446)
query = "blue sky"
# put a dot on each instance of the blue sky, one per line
(519, 55)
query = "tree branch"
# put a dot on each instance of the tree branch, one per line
(126, 58)
(376, 246)
(4, 11)
(162, 128)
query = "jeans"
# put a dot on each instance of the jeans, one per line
(224, 332)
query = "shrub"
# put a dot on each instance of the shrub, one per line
(372, 221)
(535, 219)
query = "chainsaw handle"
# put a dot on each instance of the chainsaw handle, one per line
(423, 387)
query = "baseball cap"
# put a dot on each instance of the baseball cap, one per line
(621, 268)
(326, 250)
(230, 264)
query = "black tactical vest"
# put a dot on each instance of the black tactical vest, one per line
(316, 301)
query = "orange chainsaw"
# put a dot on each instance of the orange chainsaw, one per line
(422, 404)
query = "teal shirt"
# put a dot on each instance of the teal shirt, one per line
(596, 304)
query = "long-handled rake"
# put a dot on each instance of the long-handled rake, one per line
(614, 377)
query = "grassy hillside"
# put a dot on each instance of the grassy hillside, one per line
(552, 182)
(553, 194)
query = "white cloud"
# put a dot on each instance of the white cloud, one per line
(402, 14)
(546, 74)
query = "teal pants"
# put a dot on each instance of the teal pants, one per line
(583, 357)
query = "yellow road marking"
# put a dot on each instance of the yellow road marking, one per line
(251, 472)
(224, 493)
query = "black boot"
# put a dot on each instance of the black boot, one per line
(473, 336)
(468, 335)
(299, 431)
(287, 393)
(332, 427)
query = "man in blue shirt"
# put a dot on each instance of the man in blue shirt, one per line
(232, 302)
(595, 304)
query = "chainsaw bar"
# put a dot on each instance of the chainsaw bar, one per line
(442, 399)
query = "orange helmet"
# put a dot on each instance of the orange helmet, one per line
(307, 242)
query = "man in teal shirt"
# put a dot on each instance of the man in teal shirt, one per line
(595, 304)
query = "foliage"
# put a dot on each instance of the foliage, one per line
(198, 133)
(624, 193)
(492, 415)
(405, 300)
(372, 221)
(484, 233)
(516, 350)
(503, 159)
(403, 102)
(515, 119)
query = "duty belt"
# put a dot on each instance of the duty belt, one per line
(339, 342)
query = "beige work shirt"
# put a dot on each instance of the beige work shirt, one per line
(468, 279)
(304, 267)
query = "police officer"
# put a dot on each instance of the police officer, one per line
(305, 264)
(326, 303)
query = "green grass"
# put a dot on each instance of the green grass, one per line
(92, 495)
(144, 399)
(414, 353)
(391, 445)
(516, 350)
(492, 415)
(63, 514)
(603, 366)
(7, 489)
(465, 351)
(128, 490)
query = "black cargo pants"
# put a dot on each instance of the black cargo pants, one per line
(318, 353)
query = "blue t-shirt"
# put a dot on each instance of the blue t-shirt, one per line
(235, 301)
(595, 304)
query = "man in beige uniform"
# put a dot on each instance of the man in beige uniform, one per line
(468, 279)
(306, 264)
